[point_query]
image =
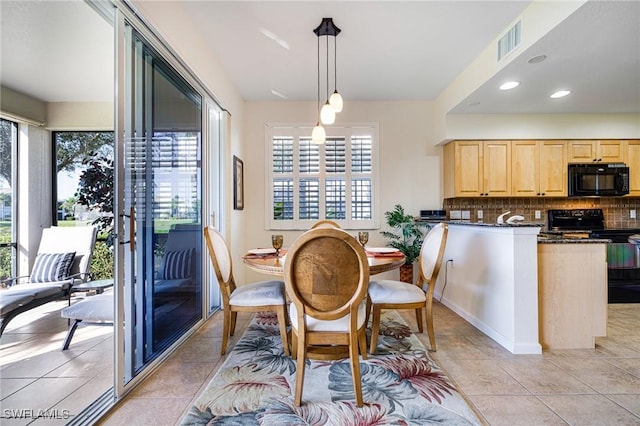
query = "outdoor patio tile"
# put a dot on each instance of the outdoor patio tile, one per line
(9, 386)
(87, 364)
(49, 391)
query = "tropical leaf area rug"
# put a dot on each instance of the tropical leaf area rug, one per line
(401, 385)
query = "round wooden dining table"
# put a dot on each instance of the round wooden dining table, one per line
(274, 265)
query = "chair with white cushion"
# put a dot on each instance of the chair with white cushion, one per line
(256, 297)
(390, 294)
(326, 276)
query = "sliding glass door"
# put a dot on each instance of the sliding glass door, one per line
(161, 214)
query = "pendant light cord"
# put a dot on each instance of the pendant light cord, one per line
(327, 68)
(318, 79)
(335, 63)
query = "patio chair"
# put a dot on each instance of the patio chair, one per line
(63, 259)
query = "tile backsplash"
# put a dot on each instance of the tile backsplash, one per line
(617, 210)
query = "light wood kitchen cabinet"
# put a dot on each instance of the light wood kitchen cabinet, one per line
(539, 168)
(572, 296)
(602, 151)
(477, 168)
(633, 161)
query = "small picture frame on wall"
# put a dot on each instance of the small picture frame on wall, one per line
(238, 183)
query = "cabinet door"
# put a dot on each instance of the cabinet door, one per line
(553, 168)
(582, 151)
(633, 161)
(611, 151)
(497, 168)
(525, 168)
(468, 168)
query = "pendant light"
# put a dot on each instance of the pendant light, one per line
(318, 135)
(334, 104)
(327, 114)
(336, 99)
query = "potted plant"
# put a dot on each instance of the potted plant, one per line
(406, 237)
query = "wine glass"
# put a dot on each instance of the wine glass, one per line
(363, 237)
(276, 242)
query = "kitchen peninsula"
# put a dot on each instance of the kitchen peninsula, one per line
(507, 281)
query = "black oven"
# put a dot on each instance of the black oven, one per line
(604, 179)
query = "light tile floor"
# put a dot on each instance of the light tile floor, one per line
(599, 386)
(37, 377)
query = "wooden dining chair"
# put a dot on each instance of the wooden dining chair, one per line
(326, 277)
(256, 297)
(325, 223)
(390, 294)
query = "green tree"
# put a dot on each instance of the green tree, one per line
(95, 189)
(68, 206)
(6, 130)
(72, 148)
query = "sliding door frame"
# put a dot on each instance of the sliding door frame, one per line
(213, 194)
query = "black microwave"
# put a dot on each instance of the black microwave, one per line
(604, 180)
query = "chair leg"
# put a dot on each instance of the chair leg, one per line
(430, 331)
(282, 322)
(362, 341)
(294, 344)
(300, 365)
(234, 317)
(226, 324)
(355, 368)
(70, 333)
(368, 311)
(375, 329)
(419, 320)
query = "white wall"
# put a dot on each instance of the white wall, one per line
(410, 166)
(95, 116)
(18, 105)
(543, 126)
(35, 192)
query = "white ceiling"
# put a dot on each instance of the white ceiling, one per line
(387, 50)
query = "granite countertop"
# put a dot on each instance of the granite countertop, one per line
(545, 237)
(497, 225)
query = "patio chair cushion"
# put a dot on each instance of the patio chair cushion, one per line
(93, 309)
(176, 264)
(51, 267)
(9, 302)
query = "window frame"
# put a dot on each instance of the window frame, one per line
(297, 131)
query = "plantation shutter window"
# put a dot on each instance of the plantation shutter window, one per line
(309, 182)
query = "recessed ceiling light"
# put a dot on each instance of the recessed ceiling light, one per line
(509, 85)
(560, 94)
(537, 59)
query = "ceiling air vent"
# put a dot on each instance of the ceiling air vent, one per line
(509, 41)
